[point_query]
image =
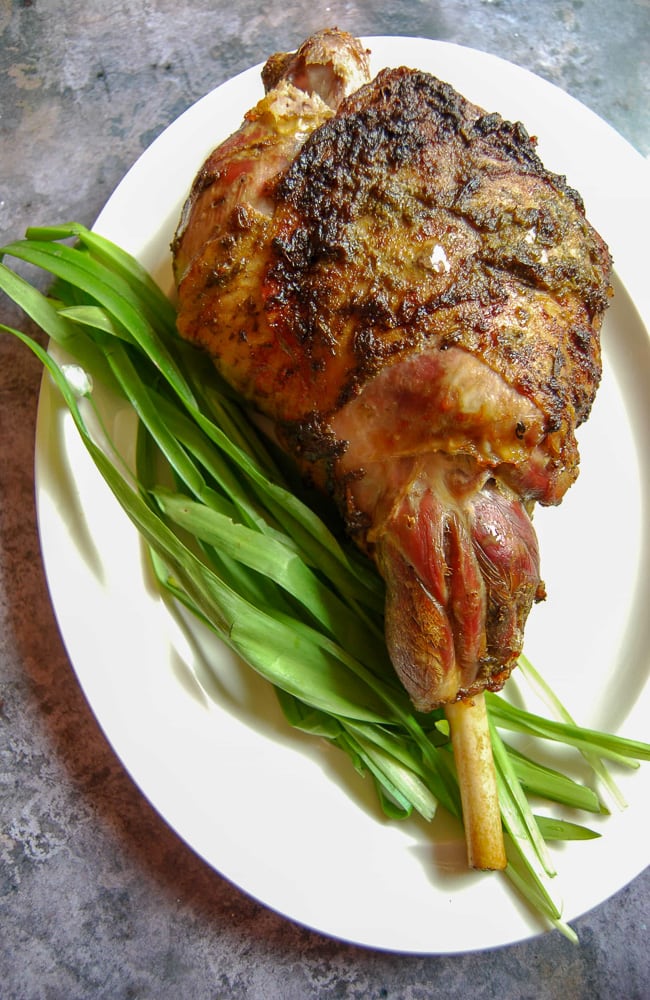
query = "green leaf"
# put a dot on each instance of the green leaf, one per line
(149, 296)
(552, 828)
(273, 558)
(108, 290)
(546, 782)
(516, 812)
(616, 748)
(64, 333)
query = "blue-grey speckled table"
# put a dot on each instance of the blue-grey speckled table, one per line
(97, 897)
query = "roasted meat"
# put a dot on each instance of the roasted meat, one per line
(415, 302)
(392, 276)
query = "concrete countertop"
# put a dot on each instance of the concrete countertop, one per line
(98, 898)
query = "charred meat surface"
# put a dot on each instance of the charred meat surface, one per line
(392, 276)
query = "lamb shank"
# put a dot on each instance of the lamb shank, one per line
(391, 275)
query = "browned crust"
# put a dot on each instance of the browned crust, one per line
(338, 283)
(407, 162)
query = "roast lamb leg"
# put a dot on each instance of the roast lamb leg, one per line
(392, 276)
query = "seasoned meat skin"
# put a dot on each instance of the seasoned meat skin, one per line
(408, 166)
(415, 301)
(302, 90)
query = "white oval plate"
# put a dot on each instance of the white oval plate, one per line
(283, 817)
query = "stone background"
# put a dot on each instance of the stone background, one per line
(98, 898)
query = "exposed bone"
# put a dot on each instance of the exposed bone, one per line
(470, 738)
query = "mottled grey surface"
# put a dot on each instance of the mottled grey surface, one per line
(97, 897)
